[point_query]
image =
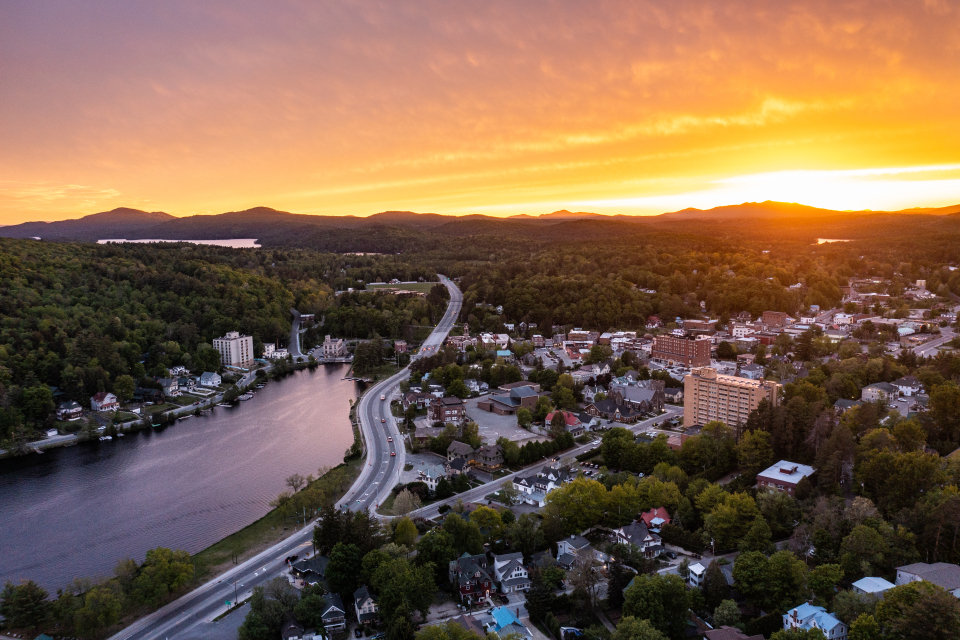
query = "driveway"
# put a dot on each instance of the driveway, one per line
(493, 426)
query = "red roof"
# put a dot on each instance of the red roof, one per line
(100, 396)
(570, 419)
(659, 512)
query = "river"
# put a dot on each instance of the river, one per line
(76, 511)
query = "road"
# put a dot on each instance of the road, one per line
(293, 348)
(386, 454)
(208, 601)
(929, 349)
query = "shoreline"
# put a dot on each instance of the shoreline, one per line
(169, 417)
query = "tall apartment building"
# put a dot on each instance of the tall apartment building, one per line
(235, 350)
(686, 350)
(775, 319)
(708, 395)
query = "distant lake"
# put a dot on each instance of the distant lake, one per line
(826, 240)
(235, 243)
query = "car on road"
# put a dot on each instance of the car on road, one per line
(383, 420)
(389, 439)
(383, 396)
(393, 454)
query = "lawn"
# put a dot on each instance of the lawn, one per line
(159, 408)
(419, 287)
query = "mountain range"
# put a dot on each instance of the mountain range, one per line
(280, 228)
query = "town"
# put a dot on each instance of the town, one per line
(624, 483)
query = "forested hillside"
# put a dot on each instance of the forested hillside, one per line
(79, 316)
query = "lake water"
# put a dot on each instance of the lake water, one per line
(75, 511)
(234, 243)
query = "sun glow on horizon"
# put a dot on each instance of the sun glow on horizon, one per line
(500, 108)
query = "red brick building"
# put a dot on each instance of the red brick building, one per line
(686, 350)
(775, 319)
(447, 410)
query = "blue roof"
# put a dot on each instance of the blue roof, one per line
(504, 353)
(807, 611)
(872, 585)
(503, 616)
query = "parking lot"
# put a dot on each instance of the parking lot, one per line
(493, 426)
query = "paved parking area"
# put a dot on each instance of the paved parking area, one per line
(493, 426)
(418, 460)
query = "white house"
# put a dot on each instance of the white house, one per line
(365, 605)
(695, 575)
(871, 586)
(879, 391)
(807, 616)
(638, 535)
(209, 379)
(907, 385)
(942, 574)
(178, 371)
(509, 571)
(104, 401)
(430, 475)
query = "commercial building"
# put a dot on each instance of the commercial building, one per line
(334, 348)
(686, 350)
(235, 350)
(775, 319)
(709, 395)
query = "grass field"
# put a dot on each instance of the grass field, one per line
(419, 287)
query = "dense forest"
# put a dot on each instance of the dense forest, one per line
(76, 317)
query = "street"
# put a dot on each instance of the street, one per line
(209, 601)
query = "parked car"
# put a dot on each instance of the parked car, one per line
(357, 633)
(671, 555)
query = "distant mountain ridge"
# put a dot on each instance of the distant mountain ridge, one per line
(275, 227)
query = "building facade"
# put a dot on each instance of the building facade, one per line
(334, 348)
(685, 350)
(775, 319)
(709, 395)
(235, 350)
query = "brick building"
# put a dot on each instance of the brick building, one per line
(686, 350)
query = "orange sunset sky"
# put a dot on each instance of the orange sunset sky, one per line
(497, 108)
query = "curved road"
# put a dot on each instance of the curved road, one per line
(386, 454)
(377, 478)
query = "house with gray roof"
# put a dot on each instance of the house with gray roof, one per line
(471, 575)
(507, 404)
(69, 410)
(459, 449)
(509, 571)
(843, 405)
(942, 574)
(907, 385)
(334, 615)
(311, 570)
(638, 535)
(879, 391)
(365, 606)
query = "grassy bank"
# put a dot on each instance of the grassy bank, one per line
(271, 528)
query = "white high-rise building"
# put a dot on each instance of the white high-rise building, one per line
(235, 350)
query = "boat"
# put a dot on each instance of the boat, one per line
(223, 404)
(184, 417)
(246, 396)
(102, 438)
(119, 435)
